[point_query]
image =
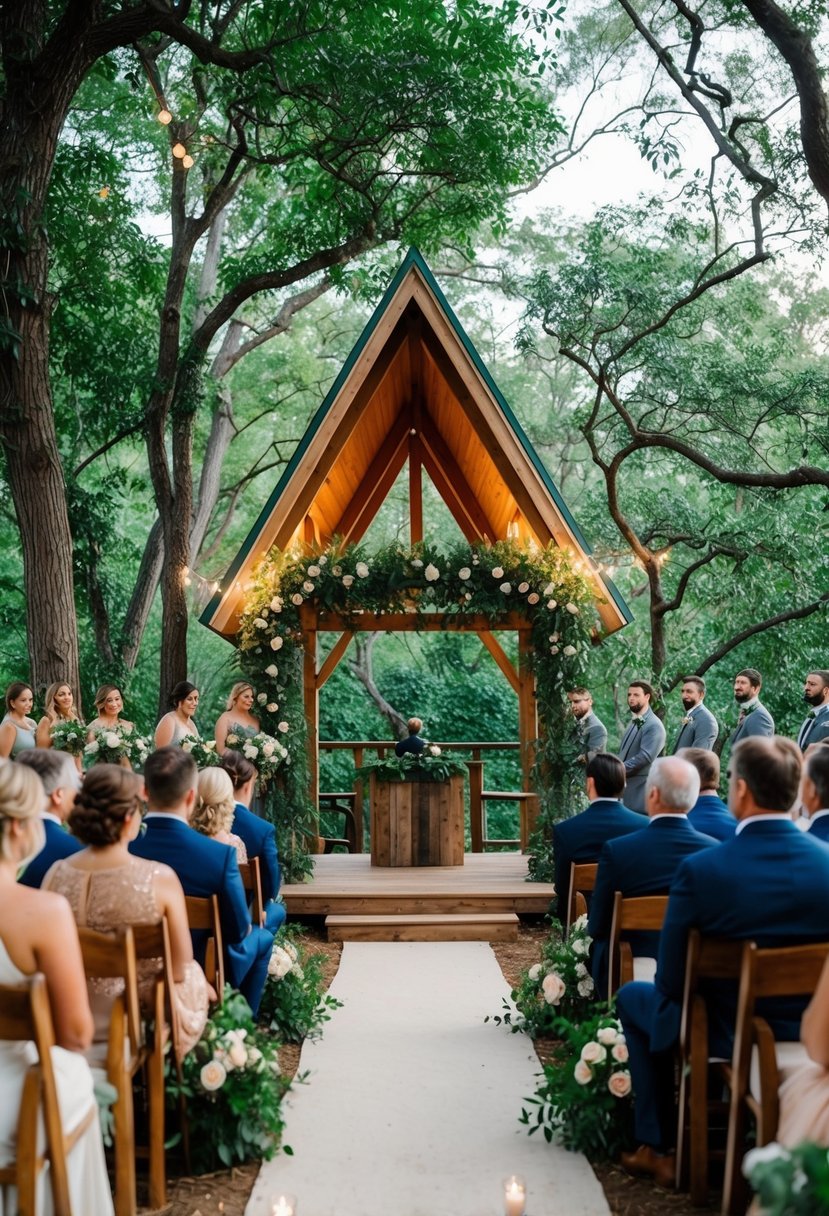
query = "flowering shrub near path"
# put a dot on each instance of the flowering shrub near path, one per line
(541, 587)
(294, 1003)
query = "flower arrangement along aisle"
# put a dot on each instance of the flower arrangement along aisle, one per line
(557, 992)
(69, 735)
(203, 751)
(789, 1182)
(540, 587)
(233, 1089)
(585, 1100)
(294, 1003)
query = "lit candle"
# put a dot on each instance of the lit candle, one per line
(285, 1205)
(515, 1196)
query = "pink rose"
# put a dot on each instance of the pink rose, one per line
(620, 1053)
(619, 1084)
(593, 1052)
(582, 1073)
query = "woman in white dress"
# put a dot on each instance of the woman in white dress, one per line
(178, 723)
(37, 933)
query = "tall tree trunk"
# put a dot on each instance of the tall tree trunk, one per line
(143, 594)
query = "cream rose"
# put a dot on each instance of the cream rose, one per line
(313, 571)
(523, 588)
(619, 1051)
(431, 573)
(582, 1073)
(569, 651)
(532, 598)
(296, 599)
(213, 1075)
(593, 1052)
(619, 1084)
(464, 573)
(261, 697)
(308, 586)
(277, 643)
(111, 739)
(361, 570)
(260, 623)
(498, 572)
(276, 604)
(284, 727)
(607, 1035)
(572, 608)
(534, 971)
(348, 579)
(272, 707)
(553, 988)
(505, 588)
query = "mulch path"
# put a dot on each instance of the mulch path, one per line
(226, 1192)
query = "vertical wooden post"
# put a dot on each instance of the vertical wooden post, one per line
(358, 799)
(527, 729)
(476, 804)
(311, 700)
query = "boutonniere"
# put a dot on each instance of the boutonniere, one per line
(685, 720)
(750, 710)
(638, 723)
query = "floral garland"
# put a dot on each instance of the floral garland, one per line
(294, 1003)
(541, 586)
(429, 765)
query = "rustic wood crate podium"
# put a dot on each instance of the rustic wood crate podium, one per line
(416, 823)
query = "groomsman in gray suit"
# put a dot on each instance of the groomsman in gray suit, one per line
(816, 724)
(589, 733)
(699, 727)
(753, 718)
(641, 743)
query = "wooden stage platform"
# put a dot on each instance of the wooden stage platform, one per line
(347, 884)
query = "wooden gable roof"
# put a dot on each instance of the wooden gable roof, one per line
(413, 389)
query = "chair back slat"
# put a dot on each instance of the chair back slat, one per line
(640, 912)
(582, 879)
(112, 956)
(203, 913)
(251, 873)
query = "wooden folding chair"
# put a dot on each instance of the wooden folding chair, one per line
(252, 882)
(641, 912)
(754, 1075)
(582, 879)
(707, 959)
(203, 913)
(25, 1016)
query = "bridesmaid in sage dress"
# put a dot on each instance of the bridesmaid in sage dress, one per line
(178, 723)
(17, 731)
(237, 718)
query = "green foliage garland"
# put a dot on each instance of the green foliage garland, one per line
(294, 1004)
(542, 586)
(431, 765)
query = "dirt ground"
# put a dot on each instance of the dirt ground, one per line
(226, 1192)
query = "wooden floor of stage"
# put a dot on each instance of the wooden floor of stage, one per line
(344, 883)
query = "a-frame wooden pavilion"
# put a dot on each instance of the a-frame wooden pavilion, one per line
(413, 391)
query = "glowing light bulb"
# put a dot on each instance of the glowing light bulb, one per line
(164, 117)
(187, 161)
(179, 151)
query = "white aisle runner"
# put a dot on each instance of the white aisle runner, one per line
(412, 1102)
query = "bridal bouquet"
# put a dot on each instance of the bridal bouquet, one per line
(265, 752)
(584, 1101)
(203, 751)
(234, 1089)
(140, 747)
(110, 745)
(69, 735)
(294, 1003)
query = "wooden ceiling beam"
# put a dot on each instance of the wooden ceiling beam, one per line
(450, 481)
(379, 478)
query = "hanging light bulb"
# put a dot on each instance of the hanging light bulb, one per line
(164, 116)
(179, 151)
(188, 161)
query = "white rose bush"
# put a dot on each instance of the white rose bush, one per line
(295, 1005)
(541, 588)
(584, 1100)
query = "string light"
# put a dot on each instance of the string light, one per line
(164, 116)
(187, 161)
(179, 151)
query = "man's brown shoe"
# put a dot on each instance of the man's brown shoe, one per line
(660, 1167)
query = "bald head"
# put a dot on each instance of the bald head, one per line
(672, 787)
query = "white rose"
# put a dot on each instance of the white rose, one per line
(572, 608)
(593, 1052)
(276, 604)
(523, 588)
(497, 572)
(296, 599)
(553, 988)
(582, 1073)
(260, 623)
(607, 1035)
(348, 579)
(431, 573)
(92, 747)
(336, 571)
(580, 946)
(238, 1055)
(272, 707)
(111, 739)
(506, 588)
(467, 595)
(619, 1084)
(554, 650)
(534, 971)
(250, 751)
(308, 586)
(619, 1051)
(277, 643)
(585, 987)
(551, 604)
(186, 746)
(581, 972)
(211, 746)
(313, 571)
(434, 750)
(361, 570)
(272, 670)
(549, 589)
(569, 651)
(416, 563)
(532, 598)
(554, 637)
(763, 1155)
(213, 1075)
(284, 727)
(323, 560)
(580, 921)
(261, 697)
(267, 749)
(464, 573)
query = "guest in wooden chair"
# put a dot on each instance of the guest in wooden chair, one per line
(38, 934)
(804, 1094)
(769, 884)
(258, 835)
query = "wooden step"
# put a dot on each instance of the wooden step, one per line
(466, 927)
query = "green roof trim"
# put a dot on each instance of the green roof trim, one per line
(413, 258)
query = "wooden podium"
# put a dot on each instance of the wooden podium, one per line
(416, 823)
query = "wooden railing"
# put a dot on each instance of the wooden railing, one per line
(478, 796)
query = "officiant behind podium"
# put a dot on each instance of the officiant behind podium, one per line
(413, 742)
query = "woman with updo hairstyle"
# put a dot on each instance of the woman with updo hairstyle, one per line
(17, 730)
(215, 808)
(38, 934)
(178, 723)
(107, 888)
(237, 718)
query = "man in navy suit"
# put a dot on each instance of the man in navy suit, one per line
(205, 867)
(814, 791)
(645, 863)
(769, 884)
(582, 837)
(709, 814)
(413, 742)
(699, 727)
(61, 782)
(815, 726)
(753, 719)
(258, 835)
(641, 743)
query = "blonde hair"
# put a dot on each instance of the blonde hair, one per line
(215, 804)
(236, 692)
(21, 798)
(50, 709)
(102, 694)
